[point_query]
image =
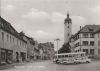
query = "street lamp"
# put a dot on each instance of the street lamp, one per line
(57, 39)
(80, 40)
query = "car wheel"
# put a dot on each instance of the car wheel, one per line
(75, 62)
(87, 62)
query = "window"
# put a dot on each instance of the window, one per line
(13, 40)
(62, 56)
(98, 43)
(3, 55)
(68, 35)
(66, 55)
(98, 51)
(78, 36)
(98, 34)
(59, 56)
(85, 43)
(91, 35)
(92, 51)
(17, 41)
(7, 37)
(85, 35)
(20, 43)
(78, 43)
(68, 26)
(10, 38)
(92, 43)
(2, 36)
(86, 51)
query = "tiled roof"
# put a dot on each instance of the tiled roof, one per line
(31, 40)
(88, 29)
(6, 26)
(97, 31)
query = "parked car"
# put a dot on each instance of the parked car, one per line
(85, 60)
(82, 60)
(76, 61)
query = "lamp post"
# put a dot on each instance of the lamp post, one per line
(57, 40)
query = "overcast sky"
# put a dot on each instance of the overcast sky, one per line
(44, 19)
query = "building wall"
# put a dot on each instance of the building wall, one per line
(97, 44)
(81, 46)
(12, 43)
(67, 32)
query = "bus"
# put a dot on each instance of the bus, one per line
(68, 58)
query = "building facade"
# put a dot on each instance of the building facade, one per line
(33, 52)
(97, 42)
(13, 48)
(67, 29)
(87, 40)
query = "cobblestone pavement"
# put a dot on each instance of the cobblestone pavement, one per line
(50, 66)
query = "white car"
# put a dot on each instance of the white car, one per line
(76, 61)
(68, 62)
(85, 60)
(82, 60)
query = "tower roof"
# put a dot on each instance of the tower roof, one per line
(68, 19)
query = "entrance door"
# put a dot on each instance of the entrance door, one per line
(9, 54)
(3, 56)
(17, 57)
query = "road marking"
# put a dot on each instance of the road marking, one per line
(69, 70)
(29, 66)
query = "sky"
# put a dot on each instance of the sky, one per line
(44, 19)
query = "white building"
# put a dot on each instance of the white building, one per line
(87, 40)
(12, 47)
(97, 42)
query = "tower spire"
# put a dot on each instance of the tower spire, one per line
(67, 14)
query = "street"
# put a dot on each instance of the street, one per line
(50, 66)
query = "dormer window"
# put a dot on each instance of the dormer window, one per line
(90, 29)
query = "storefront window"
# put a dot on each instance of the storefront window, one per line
(3, 56)
(9, 56)
(92, 51)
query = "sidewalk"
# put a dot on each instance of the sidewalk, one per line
(6, 66)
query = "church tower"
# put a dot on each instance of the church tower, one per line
(67, 28)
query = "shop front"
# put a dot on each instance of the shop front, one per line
(5, 56)
(9, 56)
(23, 56)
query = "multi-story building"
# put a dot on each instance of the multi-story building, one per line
(13, 48)
(87, 40)
(36, 51)
(32, 47)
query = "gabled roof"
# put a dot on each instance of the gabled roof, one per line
(6, 26)
(31, 40)
(98, 31)
(88, 29)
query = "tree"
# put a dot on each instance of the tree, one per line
(65, 48)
